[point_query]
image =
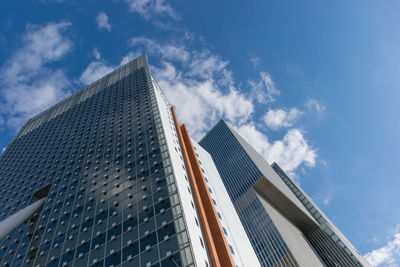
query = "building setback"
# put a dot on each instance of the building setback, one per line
(284, 225)
(108, 177)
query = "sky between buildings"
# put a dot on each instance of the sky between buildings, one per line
(312, 85)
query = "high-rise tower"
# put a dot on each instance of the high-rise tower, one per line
(283, 224)
(108, 177)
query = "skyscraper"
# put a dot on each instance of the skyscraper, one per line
(108, 177)
(283, 224)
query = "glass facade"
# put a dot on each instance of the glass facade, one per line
(241, 167)
(100, 158)
(325, 241)
(239, 173)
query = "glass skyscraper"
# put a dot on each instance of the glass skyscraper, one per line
(283, 224)
(107, 177)
(327, 240)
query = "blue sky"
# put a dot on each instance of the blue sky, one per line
(313, 85)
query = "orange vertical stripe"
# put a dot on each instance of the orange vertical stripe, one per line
(216, 243)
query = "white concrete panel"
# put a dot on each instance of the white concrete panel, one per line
(294, 238)
(12, 222)
(236, 237)
(182, 181)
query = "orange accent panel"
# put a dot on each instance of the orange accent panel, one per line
(216, 243)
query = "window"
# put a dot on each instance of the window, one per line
(201, 242)
(225, 232)
(232, 251)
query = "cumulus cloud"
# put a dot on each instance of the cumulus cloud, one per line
(201, 86)
(151, 9)
(102, 21)
(389, 254)
(264, 90)
(165, 52)
(128, 57)
(327, 199)
(99, 67)
(29, 84)
(278, 118)
(201, 103)
(290, 152)
(254, 60)
(94, 71)
(96, 53)
(315, 105)
(269, 85)
(198, 83)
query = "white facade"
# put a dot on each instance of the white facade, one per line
(196, 237)
(294, 238)
(240, 246)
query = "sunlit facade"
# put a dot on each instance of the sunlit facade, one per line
(108, 177)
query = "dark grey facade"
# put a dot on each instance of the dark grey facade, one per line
(100, 162)
(243, 171)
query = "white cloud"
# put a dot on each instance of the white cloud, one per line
(96, 53)
(315, 105)
(42, 44)
(95, 71)
(102, 21)
(327, 199)
(289, 153)
(150, 9)
(169, 52)
(254, 60)
(128, 57)
(201, 86)
(99, 67)
(389, 254)
(198, 83)
(29, 84)
(200, 100)
(269, 84)
(201, 104)
(264, 90)
(324, 163)
(278, 118)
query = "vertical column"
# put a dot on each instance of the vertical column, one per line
(216, 243)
